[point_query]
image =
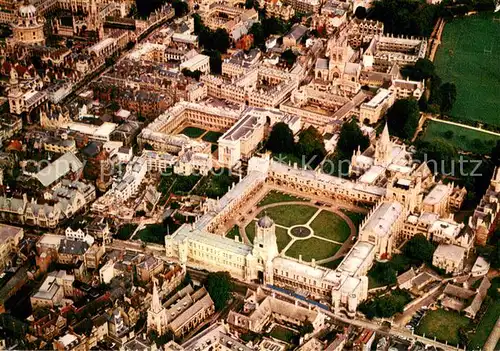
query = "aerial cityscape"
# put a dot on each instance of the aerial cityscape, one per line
(271, 175)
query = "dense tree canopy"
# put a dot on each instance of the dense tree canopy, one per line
(385, 306)
(259, 37)
(280, 139)
(219, 286)
(180, 7)
(311, 145)
(214, 40)
(145, 7)
(403, 118)
(439, 154)
(419, 249)
(289, 57)
(350, 138)
(423, 69)
(215, 61)
(495, 154)
(383, 273)
(360, 12)
(407, 17)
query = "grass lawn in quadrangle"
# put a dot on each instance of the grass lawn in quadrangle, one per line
(282, 238)
(468, 57)
(443, 325)
(312, 248)
(193, 132)
(231, 234)
(282, 333)
(250, 231)
(463, 138)
(289, 215)
(274, 196)
(211, 137)
(330, 226)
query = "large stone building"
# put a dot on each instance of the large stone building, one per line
(406, 199)
(28, 27)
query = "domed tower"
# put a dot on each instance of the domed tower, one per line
(265, 248)
(28, 27)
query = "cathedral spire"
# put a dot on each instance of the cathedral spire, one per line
(155, 302)
(385, 138)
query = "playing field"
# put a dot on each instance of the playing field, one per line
(462, 138)
(469, 56)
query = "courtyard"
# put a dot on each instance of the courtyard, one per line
(469, 56)
(302, 229)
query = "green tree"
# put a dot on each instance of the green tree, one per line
(198, 23)
(219, 286)
(350, 138)
(448, 92)
(383, 273)
(423, 69)
(419, 249)
(407, 17)
(215, 61)
(495, 154)
(180, 8)
(403, 118)
(250, 4)
(311, 146)
(259, 37)
(360, 12)
(289, 57)
(280, 139)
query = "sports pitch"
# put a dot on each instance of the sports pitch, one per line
(469, 56)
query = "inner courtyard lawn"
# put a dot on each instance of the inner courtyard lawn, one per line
(250, 231)
(274, 196)
(468, 57)
(211, 136)
(443, 325)
(282, 238)
(330, 226)
(193, 132)
(312, 248)
(282, 333)
(290, 215)
(461, 138)
(231, 234)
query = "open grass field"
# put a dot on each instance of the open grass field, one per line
(443, 325)
(322, 226)
(193, 132)
(274, 196)
(461, 138)
(469, 56)
(312, 248)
